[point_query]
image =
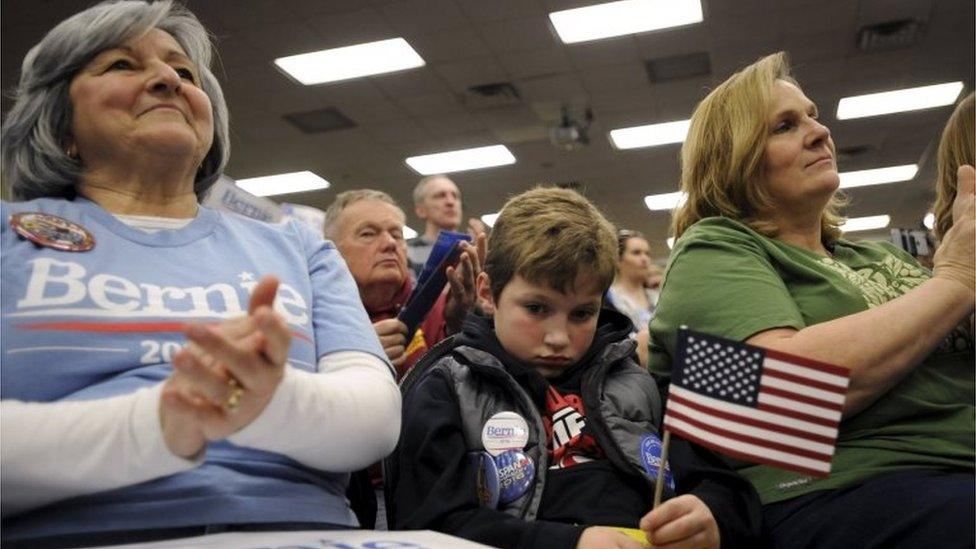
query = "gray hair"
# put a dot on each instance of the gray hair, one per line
(344, 199)
(37, 130)
(420, 191)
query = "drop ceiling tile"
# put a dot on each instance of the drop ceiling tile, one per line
(518, 34)
(670, 42)
(422, 16)
(623, 100)
(614, 77)
(497, 10)
(258, 13)
(451, 124)
(342, 29)
(471, 72)
(311, 8)
(612, 51)
(529, 63)
(450, 45)
(750, 26)
(419, 81)
(565, 87)
(806, 47)
(432, 104)
(513, 117)
(402, 131)
(281, 39)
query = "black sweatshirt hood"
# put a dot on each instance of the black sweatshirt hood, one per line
(478, 332)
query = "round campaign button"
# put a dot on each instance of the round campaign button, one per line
(487, 482)
(504, 431)
(515, 474)
(650, 453)
(52, 231)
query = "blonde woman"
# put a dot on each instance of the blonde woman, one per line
(628, 293)
(760, 258)
(955, 150)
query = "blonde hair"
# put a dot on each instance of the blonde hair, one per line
(551, 236)
(722, 157)
(955, 149)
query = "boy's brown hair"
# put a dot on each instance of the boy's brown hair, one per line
(551, 236)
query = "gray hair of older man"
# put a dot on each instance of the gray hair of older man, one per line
(37, 130)
(344, 199)
(420, 191)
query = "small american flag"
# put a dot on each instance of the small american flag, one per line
(755, 404)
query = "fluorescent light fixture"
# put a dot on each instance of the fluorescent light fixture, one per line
(670, 242)
(929, 221)
(489, 219)
(336, 64)
(909, 99)
(284, 183)
(666, 201)
(626, 17)
(865, 223)
(878, 176)
(460, 160)
(409, 233)
(650, 135)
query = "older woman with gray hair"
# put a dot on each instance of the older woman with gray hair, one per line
(156, 381)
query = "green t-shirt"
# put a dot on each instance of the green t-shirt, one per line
(725, 279)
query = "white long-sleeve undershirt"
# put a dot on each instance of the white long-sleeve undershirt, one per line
(341, 418)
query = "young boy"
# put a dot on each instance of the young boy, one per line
(534, 428)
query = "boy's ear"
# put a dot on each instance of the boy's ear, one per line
(485, 299)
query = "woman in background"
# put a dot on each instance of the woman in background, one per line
(154, 384)
(629, 293)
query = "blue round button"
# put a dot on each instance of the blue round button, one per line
(650, 453)
(516, 471)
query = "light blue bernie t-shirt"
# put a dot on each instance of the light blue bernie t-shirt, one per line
(106, 322)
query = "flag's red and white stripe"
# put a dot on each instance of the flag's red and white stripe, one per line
(793, 427)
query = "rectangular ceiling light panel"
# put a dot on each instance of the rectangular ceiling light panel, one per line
(909, 99)
(666, 201)
(460, 160)
(625, 17)
(489, 219)
(337, 64)
(650, 135)
(865, 223)
(878, 176)
(284, 183)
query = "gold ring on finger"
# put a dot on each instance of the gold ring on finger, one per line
(235, 396)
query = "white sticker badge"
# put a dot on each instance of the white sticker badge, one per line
(504, 431)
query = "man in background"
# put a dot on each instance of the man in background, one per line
(367, 228)
(437, 201)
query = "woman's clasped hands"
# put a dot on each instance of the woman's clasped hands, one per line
(225, 376)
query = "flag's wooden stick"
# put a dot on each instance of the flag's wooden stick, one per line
(659, 483)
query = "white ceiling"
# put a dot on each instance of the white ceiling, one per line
(472, 42)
